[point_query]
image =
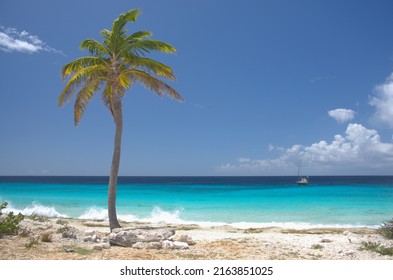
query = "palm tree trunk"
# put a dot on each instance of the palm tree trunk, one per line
(118, 116)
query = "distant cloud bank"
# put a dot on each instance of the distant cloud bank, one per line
(11, 40)
(359, 151)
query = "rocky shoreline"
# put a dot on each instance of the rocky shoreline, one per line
(63, 239)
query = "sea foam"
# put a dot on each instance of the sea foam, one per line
(156, 216)
(95, 213)
(36, 209)
(160, 216)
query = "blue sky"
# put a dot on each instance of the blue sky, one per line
(267, 84)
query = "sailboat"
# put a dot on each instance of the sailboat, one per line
(301, 181)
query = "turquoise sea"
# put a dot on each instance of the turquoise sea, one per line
(239, 201)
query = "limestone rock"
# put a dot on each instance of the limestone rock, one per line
(70, 233)
(117, 230)
(90, 232)
(350, 253)
(94, 238)
(128, 237)
(87, 239)
(147, 245)
(187, 239)
(180, 245)
(167, 245)
(98, 247)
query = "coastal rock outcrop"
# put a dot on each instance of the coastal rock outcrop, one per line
(185, 239)
(147, 245)
(69, 232)
(129, 237)
(180, 245)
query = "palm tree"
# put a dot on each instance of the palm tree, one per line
(112, 68)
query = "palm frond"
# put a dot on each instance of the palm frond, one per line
(149, 65)
(81, 63)
(106, 97)
(124, 80)
(120, 22)
(118, 31)
(153, 84)
(107, 35)
(79, 78)
(145, 46)
(137, 36)
(95, 48)
(83, 98)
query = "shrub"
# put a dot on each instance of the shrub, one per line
(62, 222)
(37, 218)
(377, 248)
(63, 229)
(67, 232)
(9, 224)
(33, 241)
(46, 237)
(387, 229)
(317, 247)
(369, 246)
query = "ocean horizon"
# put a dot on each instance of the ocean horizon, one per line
(240, 201)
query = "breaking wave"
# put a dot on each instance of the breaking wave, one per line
(37, 209)
(95, 213)
(157, 215)
(160, 216)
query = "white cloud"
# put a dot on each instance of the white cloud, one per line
(11, 40)
(244, 160)
(275, 148)
(383, 101)
(359, 151)
(342, 115)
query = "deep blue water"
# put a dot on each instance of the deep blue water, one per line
(240, 201)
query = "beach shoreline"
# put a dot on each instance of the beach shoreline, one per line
(43, 239)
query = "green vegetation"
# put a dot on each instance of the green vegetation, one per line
(46, 237)
(38, 218)
(317, 247)
(62, 222)
(63, 229)
(387, 229)
(9, 224)
(32, 242)
(77, 250)
(377, 248)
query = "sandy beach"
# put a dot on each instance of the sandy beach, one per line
(43, 239)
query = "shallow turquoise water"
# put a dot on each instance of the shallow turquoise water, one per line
(241, 201)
